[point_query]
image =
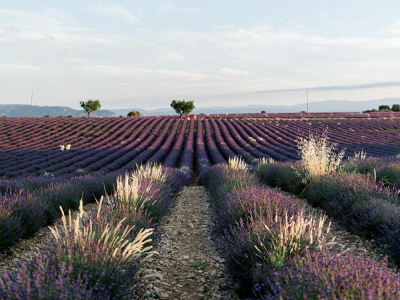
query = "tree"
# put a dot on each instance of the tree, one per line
(263, 112)
(396, 107)
(182, 107)
(384, 108)
(134, 113)
(90, 106)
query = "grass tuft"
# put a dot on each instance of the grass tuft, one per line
(318, 156)
(293, 237)
(238, 164)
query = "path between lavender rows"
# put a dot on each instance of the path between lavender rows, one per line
(189, 266)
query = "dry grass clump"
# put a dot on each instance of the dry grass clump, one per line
(130, 194)
(149, 171)
(294, 236)
(238, 164)
(119, 248)
(265, 161)
(318, 155)
(358, 156)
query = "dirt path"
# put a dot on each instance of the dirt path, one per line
(189, 265)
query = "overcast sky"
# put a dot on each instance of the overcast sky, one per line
(144, 54)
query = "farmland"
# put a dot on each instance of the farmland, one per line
(247, 212)
(30, 147)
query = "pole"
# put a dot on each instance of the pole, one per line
(31, 105)
(307, 102)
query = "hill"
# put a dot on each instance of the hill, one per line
(21, 110)
(323, 106)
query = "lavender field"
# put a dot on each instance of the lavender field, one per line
(248, 211)
(30, 147)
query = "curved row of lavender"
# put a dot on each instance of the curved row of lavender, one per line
(84, 270)
(247, 218)
(27, 204)
(31, 146)
(363, 196)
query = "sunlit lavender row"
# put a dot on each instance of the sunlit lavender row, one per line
(99, 257)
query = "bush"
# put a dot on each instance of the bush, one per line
(134, 113)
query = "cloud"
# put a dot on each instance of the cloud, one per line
(167, 8)
(395, 28)
(19, 68)
(172, 55)
(332, 88)
(114, 10)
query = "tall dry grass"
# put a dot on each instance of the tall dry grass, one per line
(149, 171)
(293, 236)
(265, 161)
(80, 234)
(318, 156)
(238, 164)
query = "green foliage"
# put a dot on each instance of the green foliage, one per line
(263, 112)
(48, 116)
(90, 106)
(134, 113)
(396, 107)
(384, 108)
(182, 107)
(70, 116)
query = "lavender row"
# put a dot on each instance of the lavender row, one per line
(163, 151)
(202, 159)
(67, 157)
(147, 148)
(212, 149)
(187, 158)
(173, 156)
(248, 217)
(364, 207)
(89, 268)
(23, 212)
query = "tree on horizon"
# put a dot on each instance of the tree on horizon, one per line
(134, 113)
(90, 106)
(182, 107)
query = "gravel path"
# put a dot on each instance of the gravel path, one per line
(188, 265)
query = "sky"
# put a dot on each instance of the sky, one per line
(144, 54)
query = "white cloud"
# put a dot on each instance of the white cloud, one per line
(19, 68)
(171, 55)
(167, 8)
(114, 10)
(395, 28)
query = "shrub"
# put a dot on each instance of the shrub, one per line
(134, 113)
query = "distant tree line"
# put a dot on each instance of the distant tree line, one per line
(385, 108)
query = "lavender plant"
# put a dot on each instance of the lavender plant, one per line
(320, 275)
